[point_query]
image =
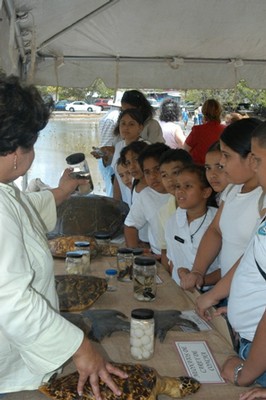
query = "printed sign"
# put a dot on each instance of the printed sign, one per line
(199, 362)
(194, 317)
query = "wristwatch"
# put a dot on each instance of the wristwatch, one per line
(237, 369)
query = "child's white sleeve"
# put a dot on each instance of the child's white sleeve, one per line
(136, 216)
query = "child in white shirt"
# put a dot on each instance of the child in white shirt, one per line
(186, 226)
(171, 162)
(149, 200)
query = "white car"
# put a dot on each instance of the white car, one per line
(82, 106)
(155, 104)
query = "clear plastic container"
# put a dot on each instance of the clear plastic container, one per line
(125, 259)
(142, 334)
(144, 278)
(73, 263)
(84, 247)
(80, 171)
(111, 278)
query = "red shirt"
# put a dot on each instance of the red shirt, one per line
(201, 138)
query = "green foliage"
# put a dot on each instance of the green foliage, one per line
(61, 93)
(241, 94)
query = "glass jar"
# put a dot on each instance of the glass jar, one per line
(84, 248)
(125, 261)
(81, 170)
(144, 278)
(73, 263)
(102, 237)
(142, 334)
(111, 278)
(137, 252)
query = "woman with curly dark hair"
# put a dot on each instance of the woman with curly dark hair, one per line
(136, 99)
(35, 340)
(168, 119)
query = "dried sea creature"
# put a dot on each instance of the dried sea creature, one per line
(166, 320)
(143, 383)
(96, 324)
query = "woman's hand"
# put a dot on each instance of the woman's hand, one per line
(67, 185)
(90, 364)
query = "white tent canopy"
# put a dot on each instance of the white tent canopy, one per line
(179, 44)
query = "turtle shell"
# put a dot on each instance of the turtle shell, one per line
(85, 215)
(143, 383)
(60, 245)
(138, 386)
(78, 292)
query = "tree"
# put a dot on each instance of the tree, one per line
(60, 92)
(240, 94)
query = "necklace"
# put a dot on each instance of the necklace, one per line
(202, 222)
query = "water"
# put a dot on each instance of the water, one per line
(60, 138)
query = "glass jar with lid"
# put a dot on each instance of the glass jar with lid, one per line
(125, 259)
(111, 278)
(137, 252)
(84, 248)
(102, 237)
(73, 263)
(81, 170)
(144, 278)
(142, 334)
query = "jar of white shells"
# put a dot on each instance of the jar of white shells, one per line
(142, 334)
(73, 263)
(84, 248)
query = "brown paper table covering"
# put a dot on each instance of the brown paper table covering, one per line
(166, 359)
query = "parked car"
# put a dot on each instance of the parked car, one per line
(103, 103)
(155, 104)
(82, 106)
(60, 105)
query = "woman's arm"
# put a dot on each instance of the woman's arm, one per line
(67, 185)
(179, 137)
(187, 147)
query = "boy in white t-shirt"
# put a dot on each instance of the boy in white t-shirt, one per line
(171, 162)
(149, 200)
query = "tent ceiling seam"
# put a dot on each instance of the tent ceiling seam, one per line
(93, 13)
(10, 10)
(158, 59)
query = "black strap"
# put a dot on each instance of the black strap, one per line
(263, 273)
